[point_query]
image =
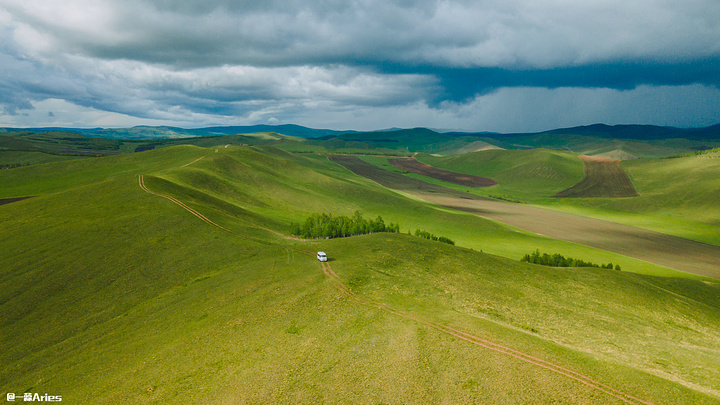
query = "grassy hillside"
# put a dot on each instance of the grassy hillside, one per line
(596, 145)
(64, 143)
(286, 187)
(521, 174)
(125, 297)
(265, 182)
(683, 254)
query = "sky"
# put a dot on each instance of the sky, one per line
(475, 65)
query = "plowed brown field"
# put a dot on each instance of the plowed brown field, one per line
(603, 178)
(666, 250)
(412, 165)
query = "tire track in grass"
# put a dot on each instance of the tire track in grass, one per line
(330, 274)
(627, 398)
(210, 222)
(188, 164)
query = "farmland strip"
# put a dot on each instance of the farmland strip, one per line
(603, 178)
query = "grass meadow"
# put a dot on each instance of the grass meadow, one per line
(110, 294)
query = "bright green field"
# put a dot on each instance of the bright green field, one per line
(109, 294)
(676, 196)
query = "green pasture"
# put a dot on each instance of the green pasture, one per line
(109, 294)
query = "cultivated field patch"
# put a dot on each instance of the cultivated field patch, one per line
(603, 178)
(412, 165)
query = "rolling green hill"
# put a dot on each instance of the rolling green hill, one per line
(522, 174)
(63, 143)
(111, 294)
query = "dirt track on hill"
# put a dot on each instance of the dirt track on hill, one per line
(654, 247)
(487, 344)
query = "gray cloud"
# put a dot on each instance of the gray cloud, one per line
(290, 60)
(540, 33)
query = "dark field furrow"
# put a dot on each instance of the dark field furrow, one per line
(412, 165)
(603, 178)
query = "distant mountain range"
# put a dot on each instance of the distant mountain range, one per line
(616, 142)
(636, 132)
(165, 132)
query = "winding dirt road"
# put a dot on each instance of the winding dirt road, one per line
(654, 247)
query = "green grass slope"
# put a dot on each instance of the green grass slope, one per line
(63, 143)
(110, 294)
(602, 143)
(12, 159)
(272, 180)
(284, 187)
(522, 174)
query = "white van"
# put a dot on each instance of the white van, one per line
(322, 256)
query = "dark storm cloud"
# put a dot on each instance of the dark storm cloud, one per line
(460, 84)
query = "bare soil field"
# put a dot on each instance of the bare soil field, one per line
(412, 165)
(666, 250)
(395, 181)
(603, 178)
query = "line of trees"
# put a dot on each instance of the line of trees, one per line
(428, 235)
(558, 260)
(329, 226)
